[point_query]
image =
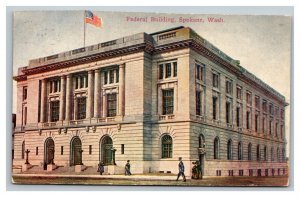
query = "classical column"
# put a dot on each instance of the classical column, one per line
(75, 109)
(97, 93)
(90, 97)
(43, 95)
(49, 110)
(62, 98)
(121, 89)
(68, 97)
(104, 110)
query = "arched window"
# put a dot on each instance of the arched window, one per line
(240, 151)
(216, 148)
(272, 154)
(229, 150)
(257, 153)
(166, 146)
(23, 150)
(249, 151)
(278, 155)
(265, 153)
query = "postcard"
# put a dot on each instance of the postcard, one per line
(133, 98)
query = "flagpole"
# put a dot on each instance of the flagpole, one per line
(84, 24)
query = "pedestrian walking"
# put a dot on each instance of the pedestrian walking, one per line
(127, 168)
(101, 168)
(181, 170)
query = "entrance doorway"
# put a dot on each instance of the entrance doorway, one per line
(106, 146)
(49, 152)
(76, 152)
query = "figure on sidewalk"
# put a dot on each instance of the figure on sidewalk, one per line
(101, 167)
(181, 170)
(194, 171)
(127, 168)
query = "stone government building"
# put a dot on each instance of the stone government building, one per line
(149, 98)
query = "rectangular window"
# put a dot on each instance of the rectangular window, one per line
(111, 76)
(282, 114)
(281, 131)
(122, 149)
(117, 75)
(81, 108)
(36, 150)
(227, 112)
(256, 122)
(105, 77)
(250, 172)
(61, 150)
(264, 105)
(174, 69)
(24, 93)
(25, 115)
(257, 106)
(161, 71)
(248, 119)
(168, 101)
(81, 82)
(54, 105)
(168, 70)
(271, 109)
(111, 105)
(198, 103)
(270, 127)
(238, 92)
(200, 72)
(215, 80)
(228, 87)
(276, 129)
(215, 108)
(238, 117)
(248, 98)
(90, 149)
(241, 172)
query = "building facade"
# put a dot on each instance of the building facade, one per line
(149, 98)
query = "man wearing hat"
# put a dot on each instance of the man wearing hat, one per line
(127, 168)
(181, 170)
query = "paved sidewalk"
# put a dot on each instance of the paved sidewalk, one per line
(132, 177)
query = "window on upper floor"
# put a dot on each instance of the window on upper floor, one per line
(228, 109)
(111, 105)
(54, 106)
(276, 129)
(81, 108)
(111, 75)
(256, 122)
(215, 99)
(282, 114)
(257, 153)
(238, 116)
(248, 98)
(249, 151)
(248, 114)
(215, 80)
(239, 92)
(200, 72)
(168, 101)
(198, 103)
(270, 126)
(81, 81)
(271, 109)
(54, 85)
(264, 105)
(257, 102)
(229, 150)
(25, 93)
(167, 70)
(228, 87)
